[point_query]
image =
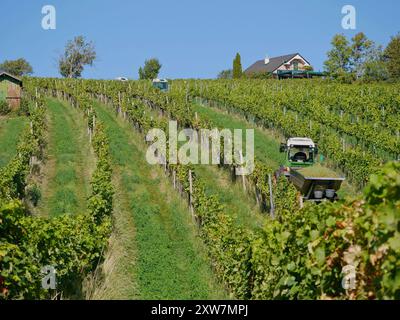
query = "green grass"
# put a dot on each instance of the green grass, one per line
(10, 131)
(66, 183)
(266, 148)
(168, 260)
(238, 204)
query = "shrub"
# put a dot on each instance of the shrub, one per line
(23, 109)
(33, 194)
(4, 108)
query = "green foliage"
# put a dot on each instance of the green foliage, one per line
(359, 52)
(358, 59)
(150, 70)
(78, 53)
(336, 112)
(24, 107)
(302, 253)
(259, 75)
(339, 56)
(33, 194)
(237, 67)
(225, 74)
(72, 244)
(392, 56)
(4, 108)
(19, 67)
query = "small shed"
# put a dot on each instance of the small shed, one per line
(10, 89)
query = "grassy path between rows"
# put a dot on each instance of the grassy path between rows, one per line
(155, 251)
(266, 145)
(238, 204)
(10, 131)
(65, 183)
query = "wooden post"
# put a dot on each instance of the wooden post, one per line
(243, 177)
(191, 193)
(174, 177)
(256, 192)
(271, 200)
(301, 203)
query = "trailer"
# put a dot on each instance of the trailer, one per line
(316, 188)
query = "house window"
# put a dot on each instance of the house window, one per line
(295, 65)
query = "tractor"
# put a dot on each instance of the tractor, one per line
(314, 185)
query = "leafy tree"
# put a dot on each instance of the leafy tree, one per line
(225, 74)
(358, 59)
(237, 67)
(308, 68)
(374, 67)
(392, 56)
(19, 67)
(360, 50)
(150, 70)
(78, 53)
(339, 57)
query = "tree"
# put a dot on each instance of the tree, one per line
(308, 68)
(360, 50)
(339, 57)
(392, 57)
(150, 70)
(19, 67)
(374, 67)
(78, 53)
(225, 74)
(237, 67)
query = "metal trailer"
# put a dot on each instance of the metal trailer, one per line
(316, 188)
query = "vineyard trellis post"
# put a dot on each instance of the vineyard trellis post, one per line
(271, 200)
(243, 176)
(191, 193)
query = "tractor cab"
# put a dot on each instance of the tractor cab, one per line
(301, 152)
(161, 84)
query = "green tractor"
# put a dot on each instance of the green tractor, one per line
(301, 152)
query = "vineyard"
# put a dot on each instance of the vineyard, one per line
(76, 193)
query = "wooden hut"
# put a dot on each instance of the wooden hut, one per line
(10, 89)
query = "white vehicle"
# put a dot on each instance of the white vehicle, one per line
(121, 79)
(161, 84)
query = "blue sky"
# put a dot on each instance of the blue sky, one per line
(192, 39)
